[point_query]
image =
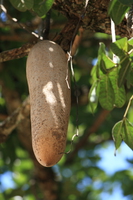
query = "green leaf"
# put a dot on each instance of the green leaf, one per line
(104, 63)
(124, 70)
(130, 41)
(41, 7)
(117, 11)
(103, 66)
(93, 96)
(22, 5)
(101, 51)
(131, 77)
(108, 62)
(120, 47)
(19, 5)
(117, 134)
(123, 130)
(106, 93)
(127, 134)
(120, 93)
(126, 2)
(98, 71)
(93, 73)
(130, 47)
(29, 4)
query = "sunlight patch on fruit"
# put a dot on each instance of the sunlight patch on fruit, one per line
(61, 95)
(51, 49)
(51, 65)
(47, 91)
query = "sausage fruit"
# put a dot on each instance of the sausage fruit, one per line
(49, 88)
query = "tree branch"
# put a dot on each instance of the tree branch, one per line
(96, 19)
(83, 141)
(21, 37)
(63, 39)
(16, 53)
(11, 122)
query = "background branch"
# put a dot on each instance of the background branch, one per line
(63, 39)
(16, 53)
(96, 19)
(11, 122)
(84, 140)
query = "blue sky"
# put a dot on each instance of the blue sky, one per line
(6, 180)
(111, 164)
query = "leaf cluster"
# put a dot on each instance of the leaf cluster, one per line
(110, 82)
(118, 8)
(40, 7)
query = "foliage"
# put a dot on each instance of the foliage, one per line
(110, 87)
(40, 7)
(112, 80)
(117, 10)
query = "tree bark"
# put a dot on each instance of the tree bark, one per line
(94, 18)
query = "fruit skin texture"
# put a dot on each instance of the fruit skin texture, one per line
(48, 81)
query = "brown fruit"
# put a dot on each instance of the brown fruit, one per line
(48, 80)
